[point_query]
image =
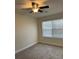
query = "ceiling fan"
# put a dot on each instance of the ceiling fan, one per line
(35, 8)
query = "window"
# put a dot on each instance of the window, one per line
(52, 29)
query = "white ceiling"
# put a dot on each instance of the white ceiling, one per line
(55, 6)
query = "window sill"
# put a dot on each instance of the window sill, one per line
(52, 38)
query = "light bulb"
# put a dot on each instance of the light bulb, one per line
(35, 10)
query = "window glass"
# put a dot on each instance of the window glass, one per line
(52, 28)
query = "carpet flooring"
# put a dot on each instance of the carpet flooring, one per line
(41, 51)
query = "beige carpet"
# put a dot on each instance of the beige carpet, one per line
(41, 51)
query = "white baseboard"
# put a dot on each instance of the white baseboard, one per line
(25, 47)
(54, 44)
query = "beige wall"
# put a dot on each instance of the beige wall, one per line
(53, 41)
(26, 31)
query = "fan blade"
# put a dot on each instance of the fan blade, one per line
(28, 9)
(40, 10)
(44, 7)
(33, 3)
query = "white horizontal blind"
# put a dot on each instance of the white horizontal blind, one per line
(52, 28)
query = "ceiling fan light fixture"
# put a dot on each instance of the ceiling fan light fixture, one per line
(35, 10)
(35, 7)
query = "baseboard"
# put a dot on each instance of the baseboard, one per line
(25, 47)
(50, 44)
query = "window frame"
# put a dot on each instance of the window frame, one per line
(49, 37)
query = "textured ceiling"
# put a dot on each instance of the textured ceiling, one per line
(55, 6)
